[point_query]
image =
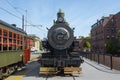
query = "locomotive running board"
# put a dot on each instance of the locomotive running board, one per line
(47, 70)
(72, 70)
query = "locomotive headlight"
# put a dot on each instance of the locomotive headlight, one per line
(60, 19)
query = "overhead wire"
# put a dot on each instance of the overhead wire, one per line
(13, 7)
(10, 13)
(25, 20)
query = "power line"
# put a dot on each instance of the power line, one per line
(37, 26)
(9, 3)
(13, 7)
(10, 13)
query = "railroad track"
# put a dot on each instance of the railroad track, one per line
(72, 76)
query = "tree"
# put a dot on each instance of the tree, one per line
(118, 41)
(87, 45)
(111, 45)
(88, 37)
(41, 47)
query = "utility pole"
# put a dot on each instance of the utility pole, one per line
(26, 21)
(23, 22)
(24, 18)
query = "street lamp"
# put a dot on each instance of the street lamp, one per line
(24, 18)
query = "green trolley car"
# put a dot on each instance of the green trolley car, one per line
(14, 48)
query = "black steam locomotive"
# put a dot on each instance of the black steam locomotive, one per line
(61, 43)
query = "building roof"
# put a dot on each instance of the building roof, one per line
(12, 27)
(33, 36)
(102, 22)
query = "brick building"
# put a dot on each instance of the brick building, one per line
(104, 29)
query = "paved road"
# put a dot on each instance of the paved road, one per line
(94, 72)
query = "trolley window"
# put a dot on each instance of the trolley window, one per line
(0, 32)
(14, 35)
(17, 41)
(18, 36)
(0, 39)
(5, 47)
(14, 47)
(10, 47)
(10, 34)
(10, 40)
(4, 40)
(5, 33)
(0, 47)
(14, 41)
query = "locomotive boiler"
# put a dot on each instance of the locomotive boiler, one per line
(60, 43)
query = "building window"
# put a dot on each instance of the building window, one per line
(113, 21)
(107, 29)
(108, 37)
(113, 36)
(113, 29)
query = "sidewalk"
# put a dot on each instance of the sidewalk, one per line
(101, 67)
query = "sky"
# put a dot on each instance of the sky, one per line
(80, 14)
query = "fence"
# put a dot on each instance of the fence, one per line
(107, 60)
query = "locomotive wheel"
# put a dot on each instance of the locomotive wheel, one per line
(12, 69)
(0, 74)
(6, 73)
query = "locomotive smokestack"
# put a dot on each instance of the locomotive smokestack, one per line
(60, 16)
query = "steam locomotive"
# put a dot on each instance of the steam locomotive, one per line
(61, 43)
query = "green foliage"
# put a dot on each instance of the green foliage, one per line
(118, 41)
(113, 45)
(88, 37)
(87, 45)
(118, 35)
(41, 47)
